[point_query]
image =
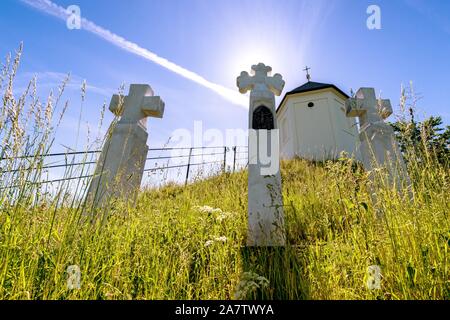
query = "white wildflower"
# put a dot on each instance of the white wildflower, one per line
(221, 239)
(208, 243)
(220, 215)
(250, 282)
(224, 215)
(207, 209)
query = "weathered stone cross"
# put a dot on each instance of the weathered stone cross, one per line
(138, 105)
(121, 164)
(379, 147)
(367, 107)
(265, 202)
(260, 83)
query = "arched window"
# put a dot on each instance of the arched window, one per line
(263, 119)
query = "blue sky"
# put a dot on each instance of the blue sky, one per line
(218, 39)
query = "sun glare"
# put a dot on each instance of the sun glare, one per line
(248, 56)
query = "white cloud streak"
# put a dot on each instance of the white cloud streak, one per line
(59, 12)
(51, 79)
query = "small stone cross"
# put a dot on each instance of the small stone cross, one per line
(138, 105)
(120, 167)
(367, 107)
(379, 147)
(261, 81)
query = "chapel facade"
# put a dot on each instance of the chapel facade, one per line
(313, 123)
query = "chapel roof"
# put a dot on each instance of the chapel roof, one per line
(311, 86)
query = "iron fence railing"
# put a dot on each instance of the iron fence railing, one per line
(229, 158)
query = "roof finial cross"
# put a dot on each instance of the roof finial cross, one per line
(308, 76)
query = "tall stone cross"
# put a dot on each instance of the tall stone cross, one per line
(120, 167)
(379, 147)
(265, 201)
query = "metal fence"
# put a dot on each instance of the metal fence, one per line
(163, 165)
(188, 160)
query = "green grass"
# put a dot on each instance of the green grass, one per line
(167, 245)
(158, 249)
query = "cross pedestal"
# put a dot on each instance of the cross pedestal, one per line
(120, 167)
(265, 201)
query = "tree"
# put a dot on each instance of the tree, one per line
(420, 140)
(424, 138)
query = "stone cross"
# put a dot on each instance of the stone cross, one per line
(367, 107)
(138, 105)
(379, 147)
(120, 167)
(265, 201)
(260, 83)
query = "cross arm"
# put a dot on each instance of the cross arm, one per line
(276, 84)
(153, 106)
(385, 108)
(354, 107)
(245, 82)
(115, 103)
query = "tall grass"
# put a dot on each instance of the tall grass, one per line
(188, 242)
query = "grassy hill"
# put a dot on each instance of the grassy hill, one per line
(189, 242)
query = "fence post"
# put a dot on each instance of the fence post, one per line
(188, 166)
(224, 159)
(234, 159)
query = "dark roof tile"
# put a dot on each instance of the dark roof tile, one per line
(312, 86)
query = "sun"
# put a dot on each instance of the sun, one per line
(249, 55)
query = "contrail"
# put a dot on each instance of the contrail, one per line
(55, 10)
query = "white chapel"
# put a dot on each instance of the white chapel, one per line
(313, 124)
